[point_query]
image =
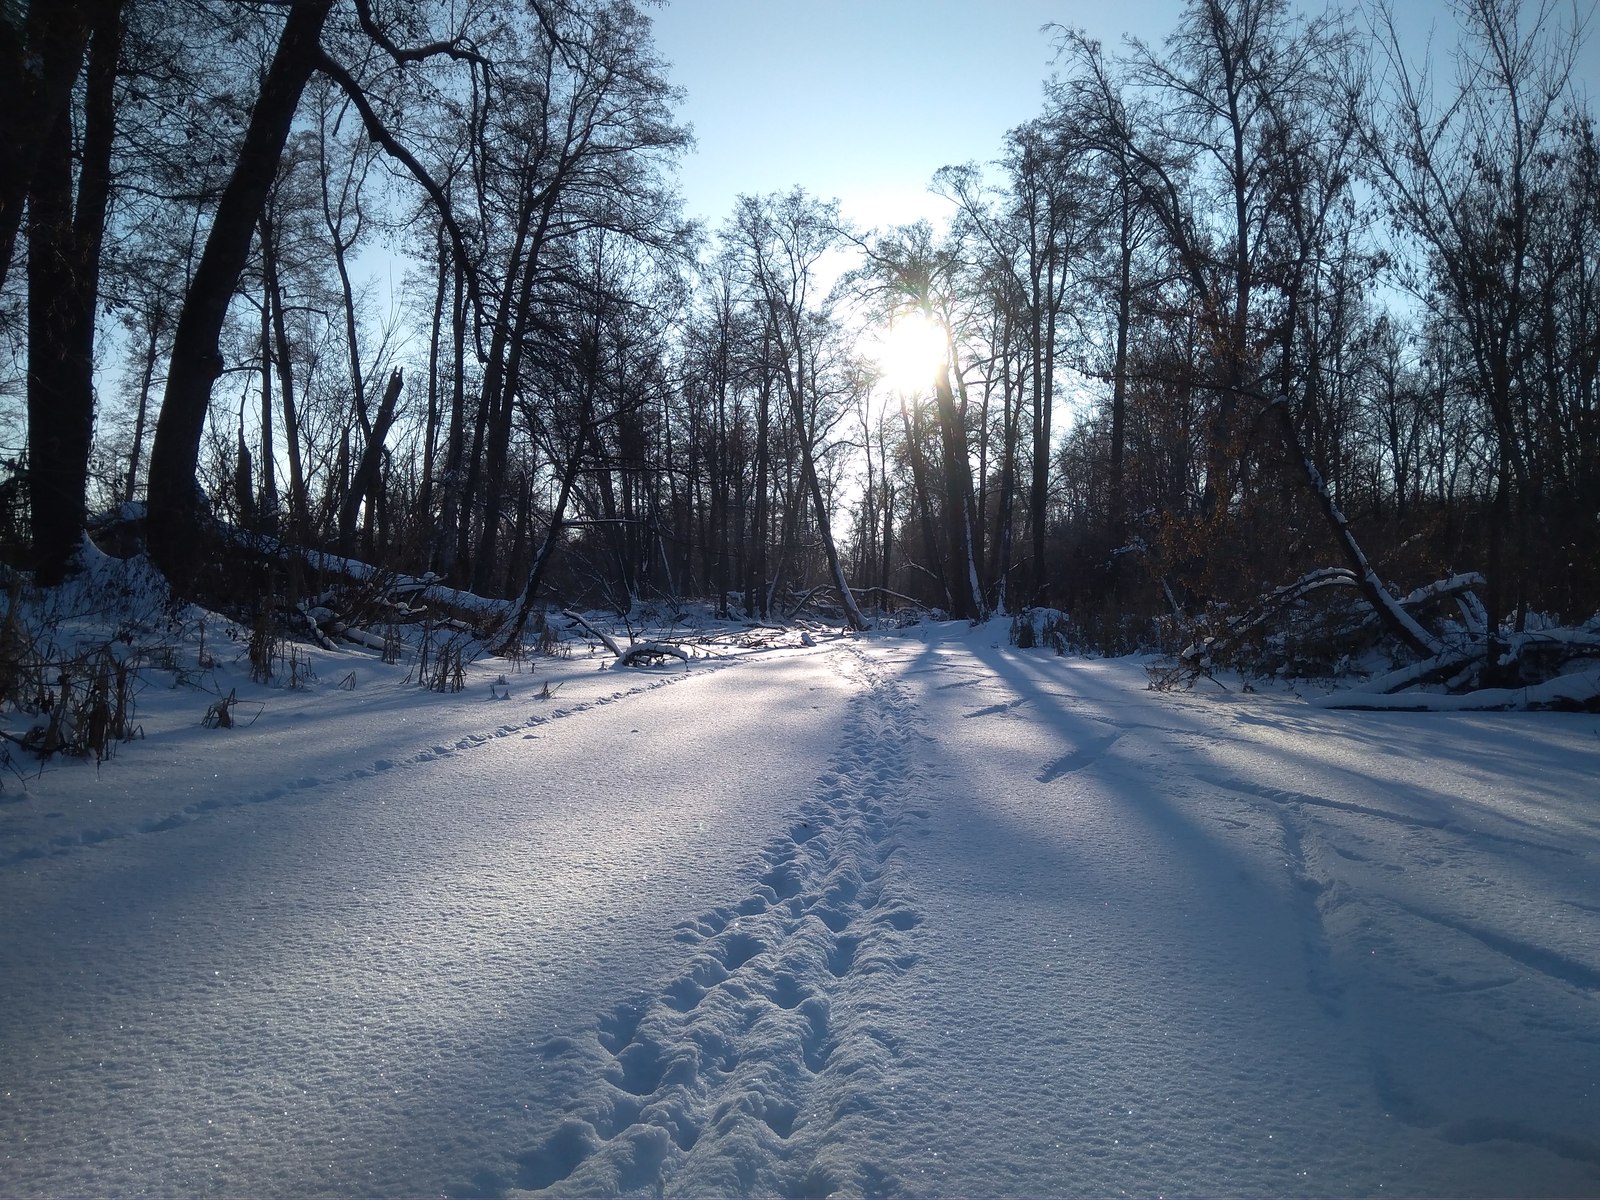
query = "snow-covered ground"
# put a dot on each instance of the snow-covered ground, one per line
(908, 914)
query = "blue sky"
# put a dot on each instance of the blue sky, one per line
(859, 99)
(864, 99)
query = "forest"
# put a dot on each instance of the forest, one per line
(1270, 344)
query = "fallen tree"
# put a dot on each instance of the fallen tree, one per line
(1575, 691)
(1325, 619)
(1322, 622)
(634, 654)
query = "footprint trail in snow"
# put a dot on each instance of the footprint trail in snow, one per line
(767, 1064)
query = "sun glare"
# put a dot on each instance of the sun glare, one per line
(909, 352)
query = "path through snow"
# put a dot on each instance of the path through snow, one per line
(921, 915)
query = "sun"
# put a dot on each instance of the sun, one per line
(909, 352)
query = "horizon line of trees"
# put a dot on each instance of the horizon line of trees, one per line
(1305, 302)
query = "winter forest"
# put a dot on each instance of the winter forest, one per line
(1323, 319)
(1147, 621)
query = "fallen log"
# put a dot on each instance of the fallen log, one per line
(1576, 691)
(635, 653)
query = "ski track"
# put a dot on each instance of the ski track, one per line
(67, 844)
(1284, 797)
(748, 1071)
(1316, 896)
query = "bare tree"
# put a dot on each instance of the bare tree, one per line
(1480, 180)
(782, 238)
(64, 238)
(1038, 230)
(907, 273)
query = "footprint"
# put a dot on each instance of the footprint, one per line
(787, 992)
(618, 1027)
(832, 918)
(779, 1116)
(756, 904)
(842, 956)
(557, 1046)
(739, 949)
(683, 1129)
(815, 1045)
(706, 926)
(783, 880)
(622, 1112)
(683, 995)
(898, 918)
(562, 1153)
(642, 1153)
(641, 1068)
(715, 1050)
(841, 893)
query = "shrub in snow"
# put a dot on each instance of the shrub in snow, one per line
(1042, 627)
(69, 655)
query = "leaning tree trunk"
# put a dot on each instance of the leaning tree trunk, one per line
(1395, 618)
(364, 483)
(511, 634)
(152, 352)
(174, 508)
(808, 469)
(835, 567)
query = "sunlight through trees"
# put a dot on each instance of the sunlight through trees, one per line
(1314, 301)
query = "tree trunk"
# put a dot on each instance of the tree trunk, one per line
(175, 518)
(919, 486)
(966, 593)
(1044, 342)
(1012, 399)
(755, 598)
(269, 475)
(40, 57)
(500, 378)
(152, 351)
(794, 378)
(364, 481)
(60, 373)
(1119, 373)
(443, 557)
(430, 435)
(512, 633)
(299, 508)
(63, 287)
(1395, 619)
(835, 567)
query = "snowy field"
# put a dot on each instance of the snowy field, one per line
(896, 915)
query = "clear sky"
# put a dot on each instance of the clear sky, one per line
(864, 99)
(859, 99)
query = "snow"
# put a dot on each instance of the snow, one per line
(1574, 690)
(899, 914)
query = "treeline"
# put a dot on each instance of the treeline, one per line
(1266, 298)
